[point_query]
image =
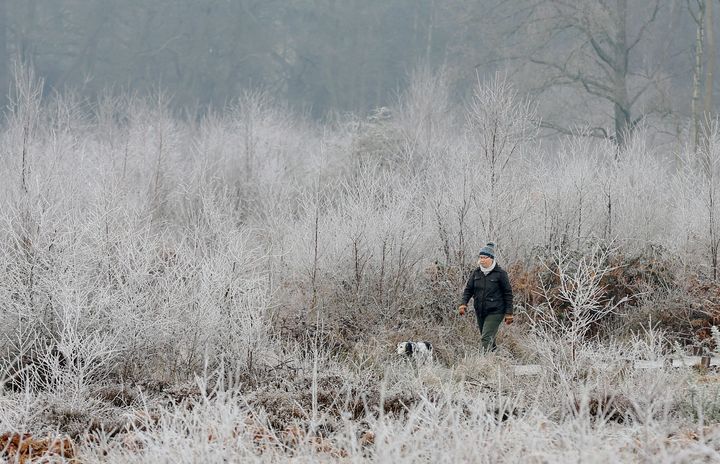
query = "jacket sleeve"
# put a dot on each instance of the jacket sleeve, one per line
(507, 294)
(469, 290)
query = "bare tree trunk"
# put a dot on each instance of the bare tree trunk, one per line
(87, 54)
(621, 106)
(697, 72)
(710, 160)
(709, 68)
(431, 25)
(316, 229)
(608, 224)
(4, 65)
(462, 215)
(26, 54)
(714, 239)
(415, 35)
(710, 39)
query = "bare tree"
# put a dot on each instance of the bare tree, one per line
(572, 308)
(588, 45)
(701, 111)
(699, 17)
(424, 116)
(709, 164)
(710, 67)
(499, 125)
(3, 53)
(698, 184)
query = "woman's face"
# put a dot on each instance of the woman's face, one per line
(485, 261)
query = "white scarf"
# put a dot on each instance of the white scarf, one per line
(486, 270)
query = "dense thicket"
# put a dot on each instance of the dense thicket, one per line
(160, 230)
(276, 262)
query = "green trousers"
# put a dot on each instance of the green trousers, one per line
(489, 325)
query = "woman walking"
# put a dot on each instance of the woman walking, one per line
(489, 285)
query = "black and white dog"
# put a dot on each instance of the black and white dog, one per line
(419, 351)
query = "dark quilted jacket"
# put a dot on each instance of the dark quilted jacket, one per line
(492, 292)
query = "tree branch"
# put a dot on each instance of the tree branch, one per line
(645, 25)
(591, 85)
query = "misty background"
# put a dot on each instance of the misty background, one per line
(597, 66)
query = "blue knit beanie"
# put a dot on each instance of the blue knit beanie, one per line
(488, 250)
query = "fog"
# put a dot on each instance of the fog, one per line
(585, 62)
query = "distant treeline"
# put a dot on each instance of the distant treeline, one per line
(603, 65)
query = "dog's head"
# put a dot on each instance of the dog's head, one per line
(405, 348)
